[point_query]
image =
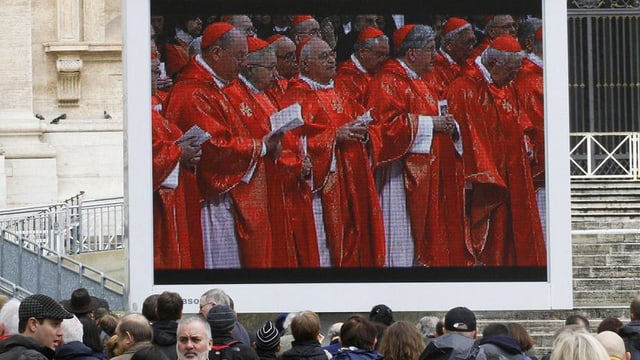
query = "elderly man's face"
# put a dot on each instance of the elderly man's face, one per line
(504, 25)
(321, 64)
(286, 54)
(193, 342)
(244, 24)
(373, 59)
(194, 27)
(310, 28)
(205, 306)
(228, 62)
(503, 74)
(423, 59)
(461, 47)
(48, 333)
(264, 71)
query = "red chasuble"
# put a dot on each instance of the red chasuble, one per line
(352, 82)
(177, 56)
(443, 74)
(434, 182)
(530, 88)
(504, 224)
(227, 157)
(175, 244)
(294, 242)
(351, 210)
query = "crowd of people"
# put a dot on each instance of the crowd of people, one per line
(83, 328)
(422, 146)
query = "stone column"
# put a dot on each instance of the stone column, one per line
(29, 165)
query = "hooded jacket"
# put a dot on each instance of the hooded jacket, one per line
(307, 350)
(18, 347)
(353, 353)
(452, 347)
(164, 336)
(76, 350)
(501, 348)
(630, 333)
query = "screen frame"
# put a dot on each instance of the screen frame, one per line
(555, 293)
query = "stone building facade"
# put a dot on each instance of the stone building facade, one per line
(60, 57)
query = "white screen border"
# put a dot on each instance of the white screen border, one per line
(556, 293)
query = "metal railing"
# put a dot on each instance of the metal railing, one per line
(605, 155)
(72, 227)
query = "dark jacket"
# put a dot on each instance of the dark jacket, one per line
(266, 354)
(452, 347)
(164, 336)
(20, 347)
(77, 351)
(353, 353)
(236, 351)
(307, 350)
(501, 347)
(630, 333)
(333, 346)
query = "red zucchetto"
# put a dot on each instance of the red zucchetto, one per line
(401, 34)
(369, 33)
(297, 20)
(506, 43)
(301, 46)
(539, 34)
(454, 24)
(273, 38)
(256, 44)
(213, 32)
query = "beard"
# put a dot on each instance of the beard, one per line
(190, 355)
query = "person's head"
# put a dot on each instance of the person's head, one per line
(133, 329)
(462, 321)
(317, 60)
(440, 328)
(359, 332)
(401, 341)
(242, 23)
(416, 46)
(267, 338)
(372, 49)
(381, 314)
(614, 345)
(189, 21)
(503, 59)
(39, 317)
(222, 319)
(500, 25)
(9, 317)
(426, 326)
(81, 303)
(169, 306)
(521, 334)
(212, 298)
(157, 22)
(261, 68)
(108, 324)
(527, 33)
(149, 353)
(285, 55)
(577, 319)
(224, 49)
(578, 345)
(634, 308)
(194, 339)
(610, 323)
(91, 334)
(150, 307)
(72, 330)
(495, 330)
(457, 39)
(305, 326)
(334, 331)
(538, 45)
(362, 22)
(304, 27)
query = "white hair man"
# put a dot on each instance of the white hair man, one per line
(215, 297)
(614, 345)
(9, 318)
(72, 333)
(194, 339)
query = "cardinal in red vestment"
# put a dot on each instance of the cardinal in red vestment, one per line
(505, 228)
(348, 219)
(418, 167)
(287, 66)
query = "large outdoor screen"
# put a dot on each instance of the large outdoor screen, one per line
(510, 248)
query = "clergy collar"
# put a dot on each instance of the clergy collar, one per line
(218, 80)
(412, 74)
(485, 73)
(358, 65)
(535, 59)
(448, 57)
(184, 36)
(316, 85)
(248, 83)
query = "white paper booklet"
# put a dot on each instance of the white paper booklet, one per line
(286, 119)
(195, 132)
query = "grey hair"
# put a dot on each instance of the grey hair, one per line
(334, 330)
(369, 43)
(417, 38)
(188, 320)
(453, 35)
(9, 316)
(217, 296)
(71, 330)
(254, 58)
(500, 57)
(427, 325)
(300, 28)
(527, 30)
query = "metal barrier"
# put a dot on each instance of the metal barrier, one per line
(71, 227)
(605, 155)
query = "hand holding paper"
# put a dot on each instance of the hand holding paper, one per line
(286, 119)
(195, 132)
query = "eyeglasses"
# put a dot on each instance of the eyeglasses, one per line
(326, 55)
(290, 56)
(268, 68)
(429, 49)
(506, 26)
(240, 57)
(202, 306)
(312, 32)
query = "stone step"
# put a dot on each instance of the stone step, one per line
(632, 214)
(614, 259)
(603, 249)
(588, 298)
(603, 221)
(620, 236)
(594, 272)
(577, 186)
(616, 206)
(606, 284)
